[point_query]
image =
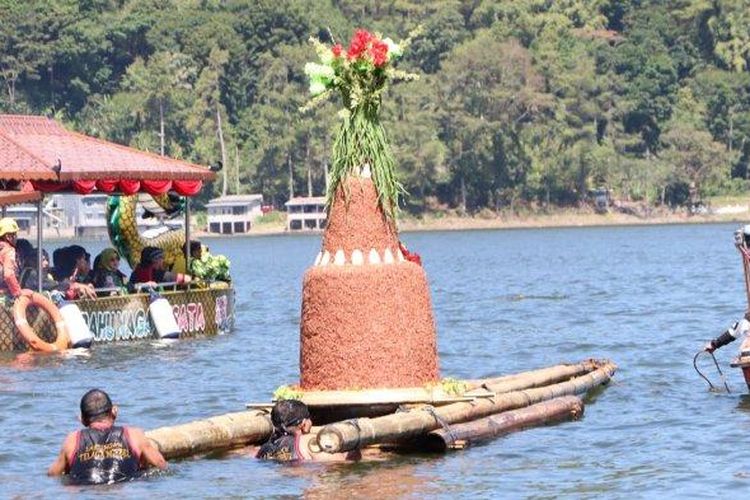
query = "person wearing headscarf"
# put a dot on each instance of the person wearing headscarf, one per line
(106, 270)
(152, 270)
(291, 439)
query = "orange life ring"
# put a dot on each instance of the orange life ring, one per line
(19, 316)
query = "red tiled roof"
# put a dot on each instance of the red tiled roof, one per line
(17, 163)
(16, 197)
(35, 148)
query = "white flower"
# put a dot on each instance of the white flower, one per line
(326, 56)
(321, 71)
(393, 48)
(317, 87)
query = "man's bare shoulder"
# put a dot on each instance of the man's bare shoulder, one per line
(71, 438)
(137, 434)
(70, 442)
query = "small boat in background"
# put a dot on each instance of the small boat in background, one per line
(38, 157)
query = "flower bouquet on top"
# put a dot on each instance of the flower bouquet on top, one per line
(360, 74)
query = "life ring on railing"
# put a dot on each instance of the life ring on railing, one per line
(19, 316)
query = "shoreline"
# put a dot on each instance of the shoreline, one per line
(557, 219)
(562, 219)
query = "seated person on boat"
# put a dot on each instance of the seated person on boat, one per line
(291, 439)
(107, 272)
(196, 252)
(29, 275)
(72, 271)
(24, 249)
(103, 453)
(9, 283)
(151, 269)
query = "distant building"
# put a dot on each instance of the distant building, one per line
(233, 213)
(306, 213)
(25, 215)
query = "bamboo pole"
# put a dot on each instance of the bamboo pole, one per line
(462, 435)
(222, 432)
(349, 435)
(534, 378)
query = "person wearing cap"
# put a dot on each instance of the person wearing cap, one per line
(103, 453)
(151, 269)
(8, 263)
(291, 440)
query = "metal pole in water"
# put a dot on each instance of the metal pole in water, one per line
(187, 235)
(39, 217)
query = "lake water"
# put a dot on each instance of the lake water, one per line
(505, 301)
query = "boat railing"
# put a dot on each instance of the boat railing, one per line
(168, 286)
(110, 290)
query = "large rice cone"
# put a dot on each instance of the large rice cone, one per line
(367, 318)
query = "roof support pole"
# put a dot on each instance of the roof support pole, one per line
(39, 219)
(187, 235)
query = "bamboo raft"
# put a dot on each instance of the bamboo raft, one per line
(488, 408)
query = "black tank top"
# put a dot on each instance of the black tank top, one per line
(102, 457)
(284, 448)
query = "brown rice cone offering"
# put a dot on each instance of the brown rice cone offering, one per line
(356, 222)
(367, 319)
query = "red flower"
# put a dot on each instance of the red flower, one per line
(410, 256)
(379, 53)
(359, 44)
(337, 50)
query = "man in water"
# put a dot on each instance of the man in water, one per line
(291, 439)
(737, 330)
(103, 453)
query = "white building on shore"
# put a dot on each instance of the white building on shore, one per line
(306, 213)
(233, 214)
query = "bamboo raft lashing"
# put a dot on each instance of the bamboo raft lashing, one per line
(531, 398)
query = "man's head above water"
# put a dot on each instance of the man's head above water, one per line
(289, 414)
(96, 406)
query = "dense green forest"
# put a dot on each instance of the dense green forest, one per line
(520, 103)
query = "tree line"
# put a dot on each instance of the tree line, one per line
(519, 103)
